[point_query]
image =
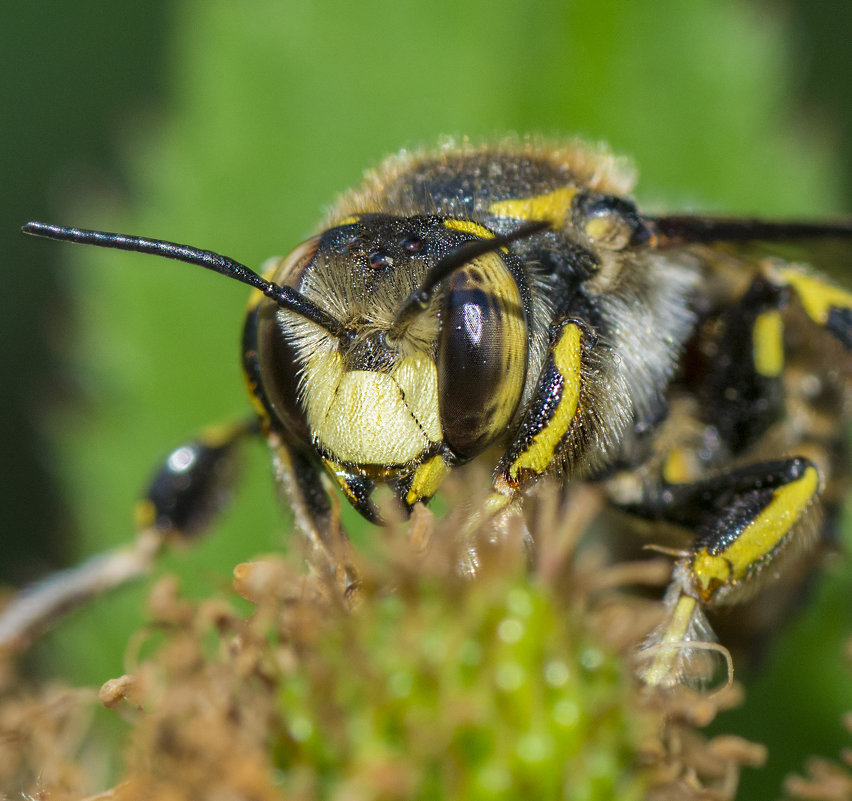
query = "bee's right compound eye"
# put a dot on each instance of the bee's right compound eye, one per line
(482, 354)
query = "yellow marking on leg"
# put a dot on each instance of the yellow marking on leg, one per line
(339, 473)
(758, 540)
(817, 296)
(567, 356)
(144, 515)
(219, 434)
(679, 466)
(768, 343)
(469, 227)
(553, 206)
(666, 652)
(427, 479)
(496, 502)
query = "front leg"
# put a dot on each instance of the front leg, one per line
(188, 491)
(315, 511)
(573, 422)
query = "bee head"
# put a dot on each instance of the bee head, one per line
(381, 342)
(428, 348)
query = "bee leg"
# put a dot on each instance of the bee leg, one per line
(189, 489)
(746, 521)
(545, 438)
(193, 484)
(825, 304)
(740, 389)
(552, 413)
(422, 483)
(357, 489)
(316, 512)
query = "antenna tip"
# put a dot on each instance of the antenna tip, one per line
(37, 228)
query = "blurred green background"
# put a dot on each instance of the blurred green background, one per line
(231, 126)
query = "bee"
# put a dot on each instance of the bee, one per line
(511, 303)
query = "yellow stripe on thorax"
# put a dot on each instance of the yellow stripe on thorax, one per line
(350, 220)
(567, 356)
(759, 539)
(817, 296)
(553, 206)
(768, 343)
(469, 227)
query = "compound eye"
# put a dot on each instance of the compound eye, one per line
(482, 355)
(291, 270)
(610, 222)
(276, 369)
(275, 363)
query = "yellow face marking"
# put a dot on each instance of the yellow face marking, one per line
(759, 539)
(817, 296)
(553, 206)
(768, 343)
(427, 479)
(469, 227)
(370, 418)
(567, 356)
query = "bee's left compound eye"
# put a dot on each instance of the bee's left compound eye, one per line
(274, 362)
(482, 354)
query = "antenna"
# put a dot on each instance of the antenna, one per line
(284, 296)
(418, 301)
